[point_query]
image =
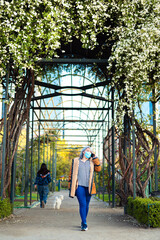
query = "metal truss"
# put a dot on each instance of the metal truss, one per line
(80, 95)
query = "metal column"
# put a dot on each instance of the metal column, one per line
(44, 148)
(95, 179)
(22, 187)
(27, 163)
(155, 133)
(55, 166)
(109, 169)
(125, 153)
(47, 151)
(50, 157)
(134, 166)
(31, 170)
(99, 174)
(39, 136)
(113, 152)
(13, 178)
(103, 156)
(39, 144)
(53, 189)
(4, 132)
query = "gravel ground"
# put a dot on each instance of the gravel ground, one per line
(49, 224)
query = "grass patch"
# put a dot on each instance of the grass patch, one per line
(19, 200)
(106, 197)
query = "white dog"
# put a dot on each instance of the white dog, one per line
(58, 201)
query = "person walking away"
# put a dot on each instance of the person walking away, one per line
(81, 181)
(43, 178)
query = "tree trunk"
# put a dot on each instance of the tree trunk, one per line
(16, 117)
(145, 145)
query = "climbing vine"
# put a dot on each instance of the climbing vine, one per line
(125, 32)
(145, 146)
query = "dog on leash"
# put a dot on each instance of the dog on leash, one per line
(58, 201)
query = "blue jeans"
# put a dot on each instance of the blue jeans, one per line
(84, 198)
(43, 191)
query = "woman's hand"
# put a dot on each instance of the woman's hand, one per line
(92, 155)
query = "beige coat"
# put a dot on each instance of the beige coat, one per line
(73, 176)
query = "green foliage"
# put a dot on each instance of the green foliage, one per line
(19, 200)
(18, 190)
(5, 208)
(146, 211)
(127, 30)
(106, 197)
(134, 60)
(155, 198)
(99, 178)
(64, 184)
(64, 159)
(31, 30)
(46, 155)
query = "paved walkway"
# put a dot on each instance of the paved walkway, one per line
(64, 224)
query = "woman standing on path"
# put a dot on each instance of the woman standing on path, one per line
(81, 181)
(42, 180)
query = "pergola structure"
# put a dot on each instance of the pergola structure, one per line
(73, 99)
(75, 103)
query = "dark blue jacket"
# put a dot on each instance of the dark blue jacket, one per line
(43, 179)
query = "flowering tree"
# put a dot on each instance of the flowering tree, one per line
(125, 32)
(32, 30)
(135, 70)
(134, 62)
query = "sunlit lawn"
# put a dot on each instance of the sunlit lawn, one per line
(106, 197)
(19, 200)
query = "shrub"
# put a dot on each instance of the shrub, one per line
(5, 208)
(145, 210)
(64, 184)
(18, 190)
